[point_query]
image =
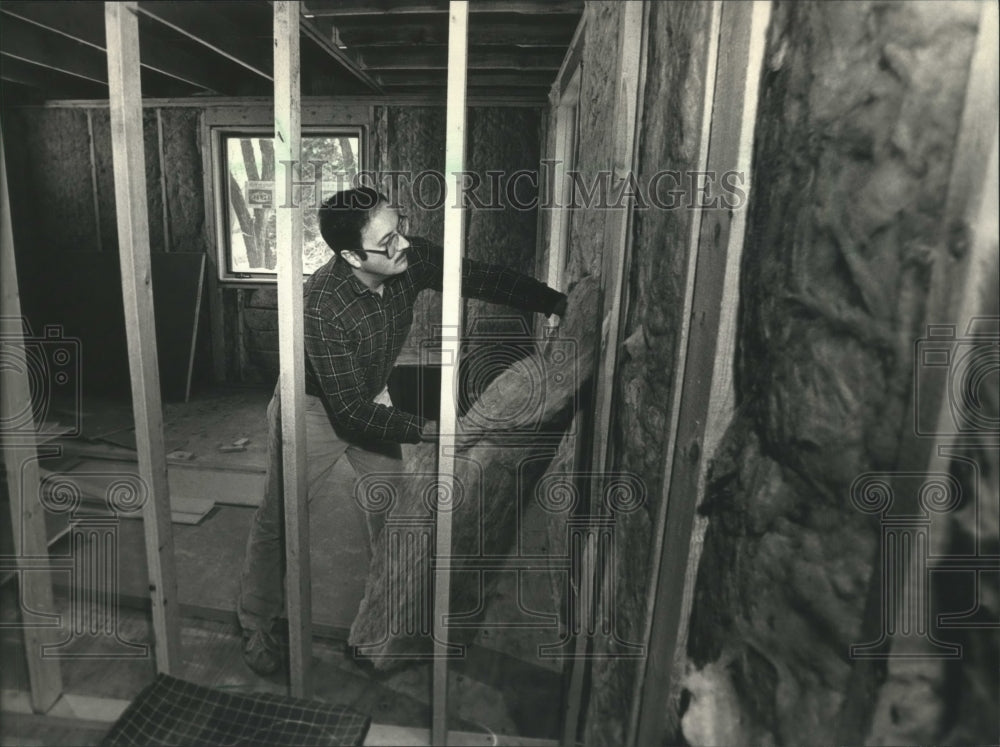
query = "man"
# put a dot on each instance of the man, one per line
(358, 311)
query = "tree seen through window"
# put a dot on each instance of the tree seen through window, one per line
(251, 170)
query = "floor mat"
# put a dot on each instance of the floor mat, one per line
(172, 711)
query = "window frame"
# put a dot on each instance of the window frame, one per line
(219, 135)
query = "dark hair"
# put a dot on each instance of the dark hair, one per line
(343, 216)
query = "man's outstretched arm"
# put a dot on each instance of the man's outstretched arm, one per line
(485, 281)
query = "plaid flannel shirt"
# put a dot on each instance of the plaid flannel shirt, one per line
(353, 335)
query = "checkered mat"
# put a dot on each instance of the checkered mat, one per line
(175, 712)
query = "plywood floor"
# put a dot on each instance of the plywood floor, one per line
(492, 692)
(211, 656)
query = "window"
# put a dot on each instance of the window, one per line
(245, 195)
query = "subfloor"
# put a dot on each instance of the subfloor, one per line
(492, 692)
(211, 656)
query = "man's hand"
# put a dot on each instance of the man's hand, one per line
(463, 441)
(430, 431)
(560, 308)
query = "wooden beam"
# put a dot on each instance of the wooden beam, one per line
(632, 44)
(215, 300)
(451, 324)
(81, 21)
(477, 95)
(967, 184)
(291, 350)
(386, 31)
(26, 41)
(564, 113)
(200, 23)
(20, 455)
(93, 179)
(122, 31)
(343, 58)
(376, 59)
(571, 60)
(50, 82)
(704, 407)
(485, 79)
(164, 202)
(354, 8)
(215, 104)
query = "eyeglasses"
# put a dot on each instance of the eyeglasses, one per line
(390, 244)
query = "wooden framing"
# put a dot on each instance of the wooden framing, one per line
(164, 203)
(566, 114)
(702, 407)
(354, 8)
(190, 20)
(26, 41)
(20, 455)
(399, 79)
(571, 62)
(75, 21)
(969, 180)
(209, 102)
(291, 351)
(970, 235)
(451, 319)
(630, 75)
(434, 57)
(93, 179)
(345, 60)
(408, 30)
(215, 301)
(137, 292)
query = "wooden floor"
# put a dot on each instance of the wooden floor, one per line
(212, 656)
(492, 693)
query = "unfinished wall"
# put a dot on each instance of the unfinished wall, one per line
(53, 202)
(63, 201)
(596, 138)
(859, 110)
(185, 184)
(669, 139)
(410, 139)
(52, 197)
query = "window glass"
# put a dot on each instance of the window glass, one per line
(249, 169)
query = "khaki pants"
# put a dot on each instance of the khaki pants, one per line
(261, 598)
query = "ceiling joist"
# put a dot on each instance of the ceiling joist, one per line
(27, 42)
(202, 24)
(408, 30)
(347, 61)
(58, 48)
(349, 8)
(81, 22)
(476, 78)
(436, 58)
(46, 79)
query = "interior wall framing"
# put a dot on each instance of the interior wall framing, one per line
(846, 231)
(53, 203)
